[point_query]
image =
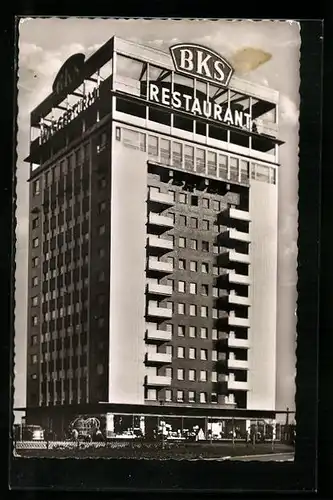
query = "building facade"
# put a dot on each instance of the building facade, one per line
(153, 235)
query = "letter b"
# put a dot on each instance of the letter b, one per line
(186, 59)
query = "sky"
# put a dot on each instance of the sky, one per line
(265, 52)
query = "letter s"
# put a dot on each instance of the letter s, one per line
(219, 73)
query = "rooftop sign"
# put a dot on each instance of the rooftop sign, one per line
(68, 73)
(201, 62)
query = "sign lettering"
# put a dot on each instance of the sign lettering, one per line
(194, 60)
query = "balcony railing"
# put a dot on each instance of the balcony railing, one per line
(158, 224)
(231, 277)
(159, 201)
(237, 343)
(159, 267)
(158, 335)
(159, 290)
(159, 312)
(232, 320)
(237, 364)
(232, 234)
(158, 358)
(158, 246)
(235, 214)
(234, 385)
(229, 256)
(157, 380)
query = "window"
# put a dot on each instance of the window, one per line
(168, 395)
(193, 265)
(169, 283)
(34, 320)
(215, 291)
(34, 359)
(194, 200)
(182, 220)
(205, 225)
(191, 396)
(35, 242)
(204, 267)
(194, 244)
(204, 333)
(101, 207)
(152, 394)
(182, 242)
(169, 305)
(205, 246)
(214, 313)
(102, 183)
(205, 202)
(181, 330)
(180, 396)
(203, 397)
(180, 352)
(101, 253)
(193, 310)
(214, 334)
(100, 369)
(35, 261)
(192, 331)
(213, 397)
(35, 222)
(204, 290)
(168, 371)
(192, 353)
(170, 260)
(194, 222)
(169, 328)
(215, 270)
(214, 355)
(36, 187)
(203, 354)
(34, 340)
(214, 377)
(34, 300)
(182, 198)
(181, 308)
(203, 376)
(216, 205)
(101, 322)
(181, 264)
(101, 230)
(191, 375)
(193, 288)
(101, 276)
(204, 311)
(180, 374)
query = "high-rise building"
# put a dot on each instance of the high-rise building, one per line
(153, 237)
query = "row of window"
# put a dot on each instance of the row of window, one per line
(191, 309)
(179, 396)
(205, 267)
(197, 159)
(61, 374)
(191, 199)
(192, 331)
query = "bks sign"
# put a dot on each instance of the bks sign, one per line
(201, 62)
(68, 73)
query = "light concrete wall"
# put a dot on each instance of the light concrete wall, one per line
(127, 281)
(263, 293)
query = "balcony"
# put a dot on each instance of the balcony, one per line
(158, 246)
(158, 224)
(157, 290)
(234, 342)
(157, 312)
(157, 380)
(158, 268)
(231, 320)
(234, 214)
(158, 358)
(237, 364)
(232, 299)
(230, 277)
(229, 257)
(157, 202)
(233, 385)
(158, 336)
(232, 234)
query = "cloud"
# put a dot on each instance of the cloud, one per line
(288, 110)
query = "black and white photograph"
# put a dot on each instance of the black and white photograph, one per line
(156, 239)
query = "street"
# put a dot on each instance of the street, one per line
(276, 457)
